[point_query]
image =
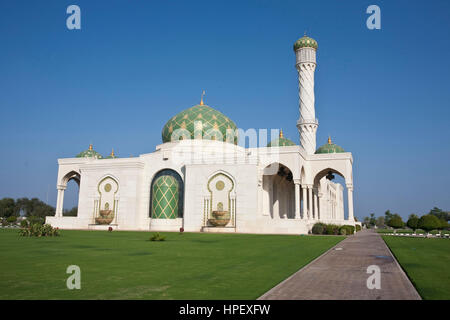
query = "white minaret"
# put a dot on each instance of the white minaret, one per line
(305, 53)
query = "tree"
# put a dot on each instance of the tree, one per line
(7, 207)
(21, 206)
(380, 223)
(366, 221)
(429, 222)
(372, 220)
(412, 221)
(440, 214)
(30, 207)
(396, 221)
(71, 213)
(387, 216)
(444, 224)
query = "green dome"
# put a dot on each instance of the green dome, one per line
(305, 42)
(330, 148)
(211, 125)
(89, 153)
(281, 142)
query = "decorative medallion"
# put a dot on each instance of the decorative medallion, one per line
(107, 187)
(220, 185)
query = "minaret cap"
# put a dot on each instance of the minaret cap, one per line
(329, 140)
(90, 146)
(305, 42)
(281, 133)
(201, 99)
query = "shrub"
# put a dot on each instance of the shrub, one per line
(332, 229)
(358, 227)
(318, 228)
(37, 230)
(349, 229)
(36, 220)
(24, 223)
(157, 237)
(434, 231)
(419, 231)
(385, 230)
(342, 231)
(429, 222)
(404, 231)
(12, 219)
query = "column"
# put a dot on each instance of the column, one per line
(233, 210)
(297, 200)
(310, 213)
(350, 202)
(320, 204)
(60, 201)
(316, 206)
(304, 202)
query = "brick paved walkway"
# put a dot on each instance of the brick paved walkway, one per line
(342, 274)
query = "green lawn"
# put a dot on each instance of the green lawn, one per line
(427, 263)
(125, 265)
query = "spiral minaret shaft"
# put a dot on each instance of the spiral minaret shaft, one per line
(305, 51)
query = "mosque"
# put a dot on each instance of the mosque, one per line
(200, 179)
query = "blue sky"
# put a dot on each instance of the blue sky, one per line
(381, 94)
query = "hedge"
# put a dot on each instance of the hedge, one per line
(404, 231)
(332, 229)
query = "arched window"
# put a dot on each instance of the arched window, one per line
(166, 195)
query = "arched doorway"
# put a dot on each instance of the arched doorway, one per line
(279, 192)
(166, 195)
(71, 196)
(330, 196)
(62, 186)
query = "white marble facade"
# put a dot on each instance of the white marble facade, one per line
(279, 189)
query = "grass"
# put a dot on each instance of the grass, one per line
(426, 262)
(126, 265)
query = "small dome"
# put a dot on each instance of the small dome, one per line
(211, 124)
(305, 42)
(281, 141)
(89, 153)
(330, 148)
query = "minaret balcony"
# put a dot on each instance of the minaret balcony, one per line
(302, 121)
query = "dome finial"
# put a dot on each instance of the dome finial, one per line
(281, 133)
(90, 146)
(201, 99)
(112, 153)
(329, 140)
